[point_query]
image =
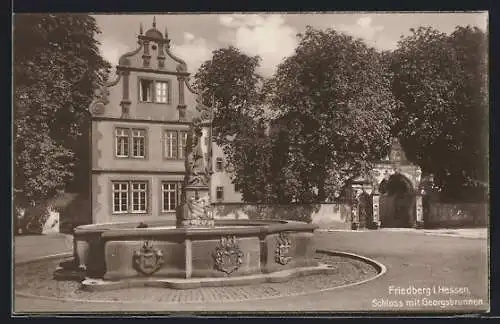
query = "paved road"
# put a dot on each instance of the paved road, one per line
(28, 247)
(413, 260)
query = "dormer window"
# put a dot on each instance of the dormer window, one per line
(157, 91)
(146, 90)
(161, 91)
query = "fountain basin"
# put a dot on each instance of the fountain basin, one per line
(233, 248)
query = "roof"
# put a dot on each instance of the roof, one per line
(154, 33)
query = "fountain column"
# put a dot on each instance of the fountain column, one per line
(195, 210)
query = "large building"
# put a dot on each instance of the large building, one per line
(138, 136)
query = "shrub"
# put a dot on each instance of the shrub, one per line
(34, 219)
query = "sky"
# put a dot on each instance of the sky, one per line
(272, 36)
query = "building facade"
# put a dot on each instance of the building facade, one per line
(138, 136)
(222, 188)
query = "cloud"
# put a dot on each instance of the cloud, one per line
(189, 36)
(264, 35)
(226, 20)
(194, 50)
(371, 34)
(111, 50)
(364, 22)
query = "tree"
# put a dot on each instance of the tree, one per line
(335, 107)
(442, 82)
(57, 67)
(231, 81)
(249, 155)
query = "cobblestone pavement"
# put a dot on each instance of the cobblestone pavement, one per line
(412, 259)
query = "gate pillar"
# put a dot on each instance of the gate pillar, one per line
(376, 212)
(355, 208)
(419, 211)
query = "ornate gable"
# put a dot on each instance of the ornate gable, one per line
(397, 153)
(151, 60)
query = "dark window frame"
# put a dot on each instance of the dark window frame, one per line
(219, 190)
(154, 81)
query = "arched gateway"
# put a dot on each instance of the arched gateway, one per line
(390, 195)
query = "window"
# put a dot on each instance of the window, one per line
(120, 197)
(219, 164)
(139, 197)
(219, 193)
(136, 138)
(161, 92)
(146, 90)
(123, 190)
(236, 187)
(154, 91)
(170, 145)
(175, 143)
(139, 143)
(182, 144)
(122, 142)
(169, 195)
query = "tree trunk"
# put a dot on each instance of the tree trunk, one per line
(321, 192)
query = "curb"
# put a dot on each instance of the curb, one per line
(382, 269)
(457, 235)
(62, 255)
(94, 285)
(422, 232)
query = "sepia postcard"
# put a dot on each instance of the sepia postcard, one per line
(251, 162)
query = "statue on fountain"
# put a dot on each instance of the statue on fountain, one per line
(195, 209)
(197, 172)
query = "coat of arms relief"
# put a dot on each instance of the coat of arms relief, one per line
(282, 249)
(148, 259)
(228, 256)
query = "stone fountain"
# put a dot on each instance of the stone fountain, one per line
(199, 250)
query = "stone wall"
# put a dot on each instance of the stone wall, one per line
(338, 215)
(325, 215)
(223, 179)
(456, 215)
